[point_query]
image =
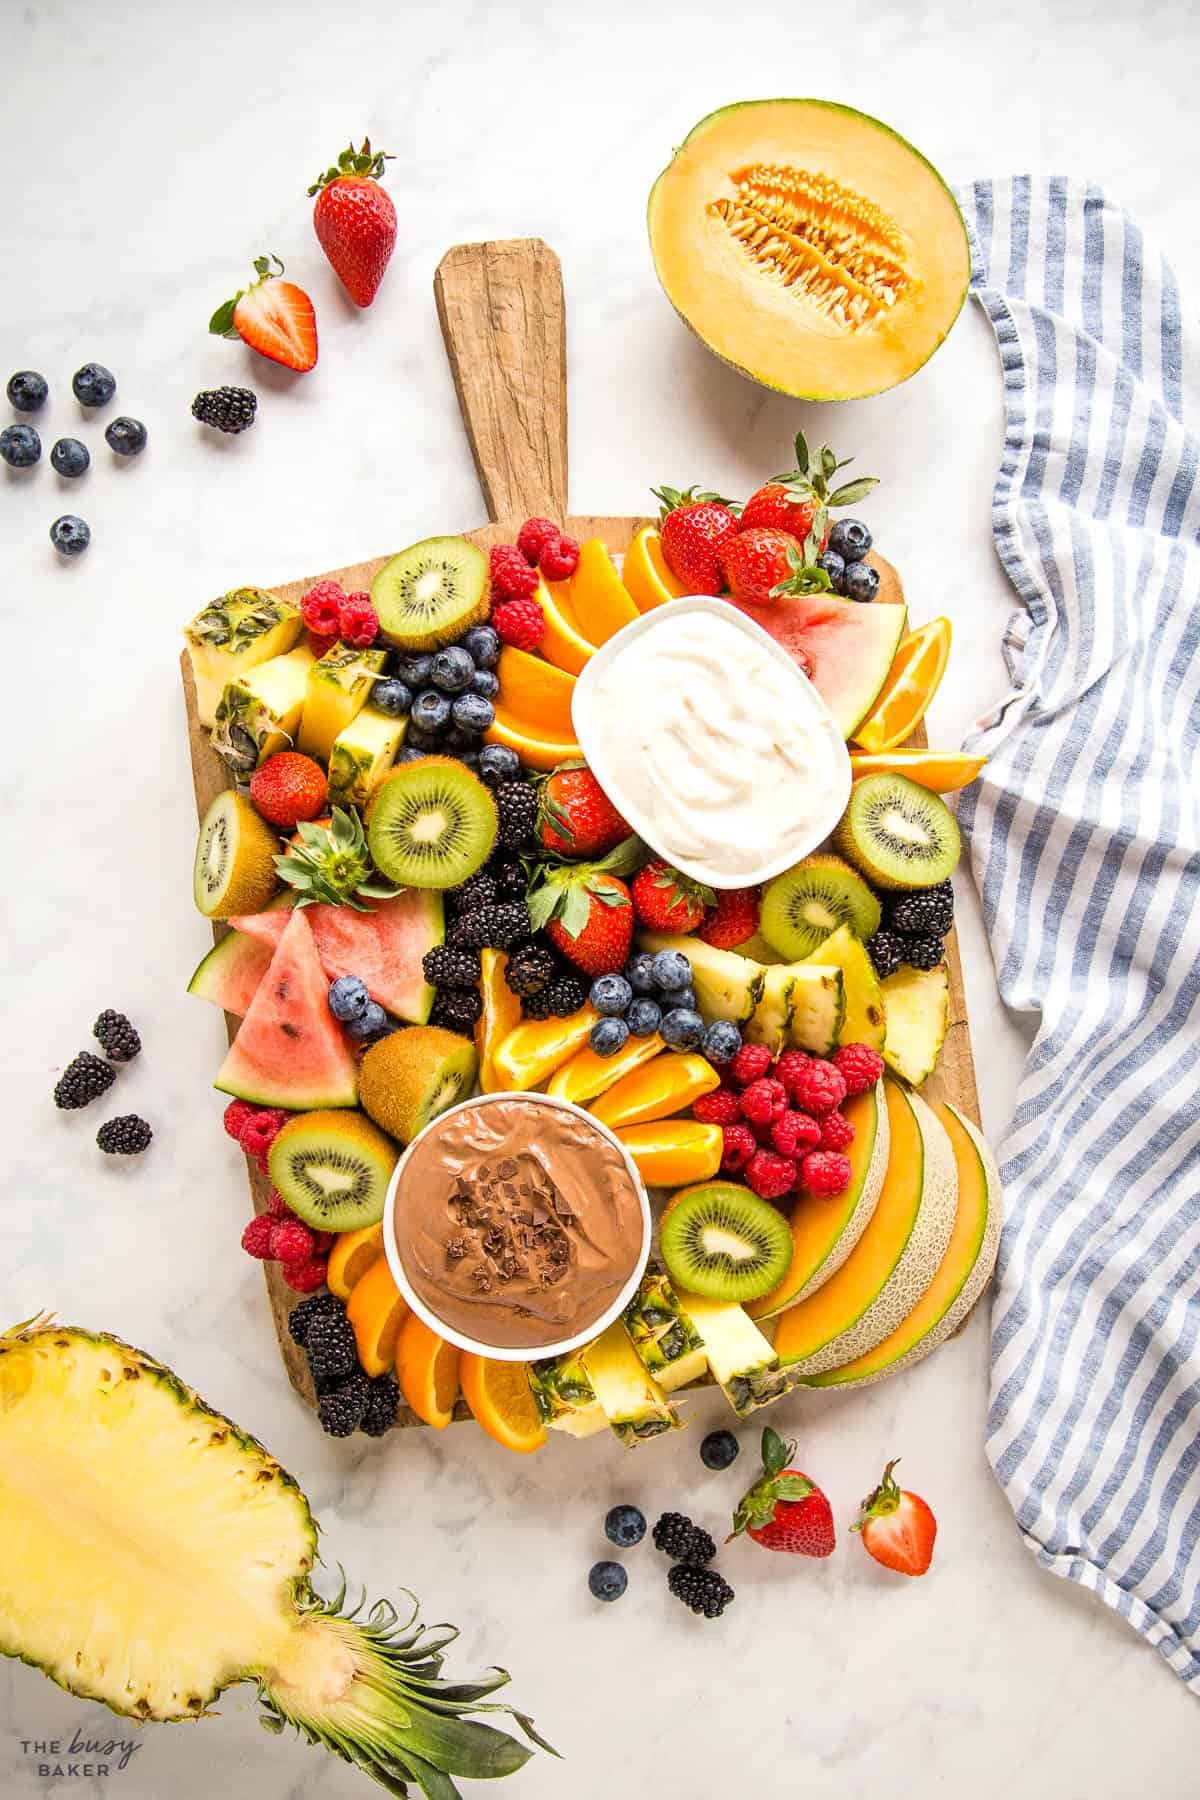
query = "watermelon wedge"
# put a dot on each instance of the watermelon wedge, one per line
(289, 1050)
(230, 974)
(851, 647)
(383, 947)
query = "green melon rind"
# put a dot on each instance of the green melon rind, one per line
(918, 1262)
(211, 979)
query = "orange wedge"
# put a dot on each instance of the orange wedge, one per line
(564, 644)
(501, 1014)
(536, 752)
(499, 1397)
(427, 1370)
(919, 665)
(376, 1309)
(600, 600)
(939, 770)
(350, 1258)
(534, 696)
(645, 574)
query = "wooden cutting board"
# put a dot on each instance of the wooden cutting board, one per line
(503, 318)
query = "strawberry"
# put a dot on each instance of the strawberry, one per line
(575, 815)
(784, 1510)
(776, 503)
(665, 900)
(798, 503)
(898, 1528)
(274, 317)
(586, 909)
(732, 920)
(288, 787)
(693, 526)
(355, 220)
(761, 564)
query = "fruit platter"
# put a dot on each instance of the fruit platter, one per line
(596, 1026)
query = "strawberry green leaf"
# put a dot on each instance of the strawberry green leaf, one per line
(854, 491)
(221, 323)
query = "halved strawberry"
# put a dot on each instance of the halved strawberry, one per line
(274, 317)
(898, 1528)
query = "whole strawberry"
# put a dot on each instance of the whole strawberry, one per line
(355, 220)
(732, 920)
(782, 505)
(287, 788)
(762, 563)
(586, 909)
(784, 1510)
(898, 1528)
(799, 502)
(665, 900)
(575, 815)
(692, 528)
(273, 316)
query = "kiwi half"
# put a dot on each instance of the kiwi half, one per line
(333, 1169)
(234, 871)
(721, 1240)
(431, 823)
(429, 594)
(411, 1076)
(801, 907)
(900, 835)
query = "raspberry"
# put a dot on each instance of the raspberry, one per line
(732, 920)
(521, 623)
(533, 534)
(750, 1064)
(762, 1129)
(321, 608)
(357, 623)
(789, 1068)
(291, 1242)
(559, 558)
(305, 1277)
(820, 1087)
(260, 1132)
(718, 1108)
(794, 1132)
(513, 577)
(323, 1241)
(256, 1239)
(825, 1172)
(763, 1101)
(860, 1067)
(740, 1146)
(277, 1206)
(836, 1133)
(318, 644)
(237, 1116)
(770, 1175)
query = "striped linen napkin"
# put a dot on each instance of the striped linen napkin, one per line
(1084, 835)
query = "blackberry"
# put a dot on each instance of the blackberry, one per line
(480, 890)
(446, 967)
(929, 912)
(538, 1006)
(886, 952)
(921, 952)
(471, 931)
(530, 966)
(117, 1038)
(510, 878)
(517, 805)
(226, 408)
(456, 1009)
(682, 1541)
(308, 1312)
(125, 1136)
(83, 1080)
(343, 1409)
(510, 922)
(703, 1590)
(565, 995)
(382, 1401)
(331, 1350)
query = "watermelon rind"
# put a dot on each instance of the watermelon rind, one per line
(385, 947)
(230, 974)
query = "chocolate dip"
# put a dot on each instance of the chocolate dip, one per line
(517, 1223)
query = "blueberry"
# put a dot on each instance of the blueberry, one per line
(625, 1526)
(410, 753)
(682, 1029)
(485, 682)
(27, 390)
(431, 711)
(719, 1449)
(425, 741)
(470, 760)
(460, 741)
(471, 712)
(607, 1036)
(672, 970)
(371, 1023)
(850, 539)
(639, 972)
(497, 763)
(93, 385)
(70, 536)
(452, 670)
(348, 998)
(126, 436)
(860, 582)
(392, 697)
(607, 1580)
(834, 566)
(611, 995)
(675, 997)
(644, 1017)
(482, 645)
(413, 670)
(721, 1042)
(20, 446)
(69, 457)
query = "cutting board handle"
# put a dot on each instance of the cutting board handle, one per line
(504, 320)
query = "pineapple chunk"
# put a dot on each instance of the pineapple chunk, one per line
(565, 1398)
(339, 686)
(259, 713)
(236, 633)
(668, 1344)
(743, 1364)
(633, 1402)
(362, 754)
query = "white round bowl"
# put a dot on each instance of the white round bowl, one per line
(526, 1353)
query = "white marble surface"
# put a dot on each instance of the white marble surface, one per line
(153, 152)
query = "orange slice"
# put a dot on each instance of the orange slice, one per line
(599, 598)
(564, 644)
(501, 1015)
(427, 1370)
(674, 1152)
(537, 1047)
(918, 668)
(939, 770)
(587, 1075)
(376, 1309)
(535, 752)
(645, 574)
(534, 696)
(499, 1397)
(351, 1257)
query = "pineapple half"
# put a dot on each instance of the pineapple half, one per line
(155, 1554)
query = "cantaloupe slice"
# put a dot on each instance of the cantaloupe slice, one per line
(964, 1272)
(824, 1232)
(897, 1256)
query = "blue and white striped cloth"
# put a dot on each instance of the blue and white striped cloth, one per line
(1084, 836)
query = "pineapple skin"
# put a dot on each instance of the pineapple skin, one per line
(233, 635)
(564, 1396)
(669, 1346)
(260, 712)
(635, 1405)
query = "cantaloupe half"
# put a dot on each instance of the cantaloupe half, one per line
(896, 1257)
(810, 246)
(824, 1232)
(962, 1275)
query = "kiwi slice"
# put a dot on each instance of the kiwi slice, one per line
(429, 594)
(234, 871)
(411, 1076)
(900, 835)
(431, 823)
(333, 1169)
(721, 1240)
(801, 907)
